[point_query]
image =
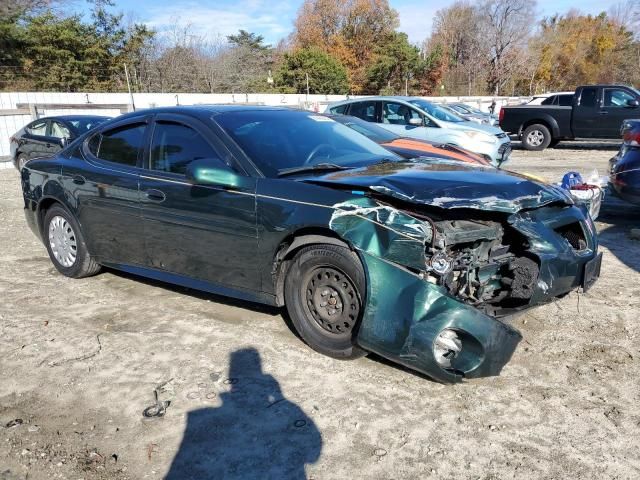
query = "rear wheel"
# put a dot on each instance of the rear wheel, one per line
(66, 246)
(536, 137)
(324, 295)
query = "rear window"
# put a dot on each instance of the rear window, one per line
(589, 97)
(120, 145)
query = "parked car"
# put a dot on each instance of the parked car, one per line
(48, 135)
(414, 260)
(540, 99)
(597, 111)
(474, 114)
(624, 168)
(468, 117)
(417, 118)
(404, 146)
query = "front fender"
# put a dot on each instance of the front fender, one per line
(404, 314)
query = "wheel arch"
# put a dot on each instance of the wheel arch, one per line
(294, 242)
(44, 205)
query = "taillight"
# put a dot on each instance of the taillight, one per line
(501, 115)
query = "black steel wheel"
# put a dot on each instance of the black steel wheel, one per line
(324, 294)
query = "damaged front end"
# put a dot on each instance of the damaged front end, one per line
(439, 278)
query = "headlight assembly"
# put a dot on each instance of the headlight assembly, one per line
(480, 136)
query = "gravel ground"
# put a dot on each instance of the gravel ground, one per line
(80, 361)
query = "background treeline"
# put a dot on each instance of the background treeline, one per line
(496, 47)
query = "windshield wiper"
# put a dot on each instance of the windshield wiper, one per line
(326, 167)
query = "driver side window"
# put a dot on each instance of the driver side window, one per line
(59, 131)
(175, 146)
(616, 98)
(398, 114)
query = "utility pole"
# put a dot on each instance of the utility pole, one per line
(307, 98)
(126, 74)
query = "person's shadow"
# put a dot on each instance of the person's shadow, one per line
(255, 433)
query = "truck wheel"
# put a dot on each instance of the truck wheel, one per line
(536, 137)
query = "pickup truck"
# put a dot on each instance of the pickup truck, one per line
(597, 111)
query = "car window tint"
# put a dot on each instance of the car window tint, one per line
(589, 97)
(616, 97)
(120, 145)
(364, 110)
(550, 100)
(340, 109)
(58, 130)
(565, 100)
(398, 113)
(174, 146)
(38, 128)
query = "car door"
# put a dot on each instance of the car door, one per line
(396, 117)
(204, 232)
(615, 109)
(585, 116)
(34, 142)
(104, 187)
(368, 111)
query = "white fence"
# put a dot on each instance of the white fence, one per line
(19, 108)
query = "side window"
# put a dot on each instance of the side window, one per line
(364, 110)
(38, 128)
(120, 145)
(340, 109)
(614, 97)
(174, 146)
(552, 100)
(58, 130)
(589, 97)
(565, 100)
(398, 114)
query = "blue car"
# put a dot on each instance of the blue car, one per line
(624, 168)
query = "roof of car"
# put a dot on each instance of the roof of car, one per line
(71, 117)
(206, 110)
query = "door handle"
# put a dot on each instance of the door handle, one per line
(78, 179)
(603, 112)
(155, 195)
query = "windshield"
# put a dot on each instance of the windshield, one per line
(372, 131)
(84, 124)
(436, 111)
(280, 139)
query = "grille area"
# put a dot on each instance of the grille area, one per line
(574, 235)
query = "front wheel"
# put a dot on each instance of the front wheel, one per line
(21, 161)
(536, 137)
(324, 295)
(65, 244)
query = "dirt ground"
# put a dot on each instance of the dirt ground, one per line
(80, 361)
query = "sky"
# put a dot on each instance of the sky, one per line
(273, 19)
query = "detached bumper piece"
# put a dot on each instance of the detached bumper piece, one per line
(412, 322)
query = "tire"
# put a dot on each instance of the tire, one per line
(536, 137)
(65, 244)
(21, 160)
(327, 274)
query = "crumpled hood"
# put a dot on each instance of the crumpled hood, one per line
(447, 184)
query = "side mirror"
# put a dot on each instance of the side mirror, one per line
(416, 122)
(63, 141)
(633, 103)
(211, 171)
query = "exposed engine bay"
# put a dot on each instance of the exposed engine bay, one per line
(473, 260)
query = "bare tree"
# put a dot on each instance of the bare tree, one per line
(507, 25)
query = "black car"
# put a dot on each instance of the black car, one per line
(369, 252)
(624, 168)
(47, 136)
